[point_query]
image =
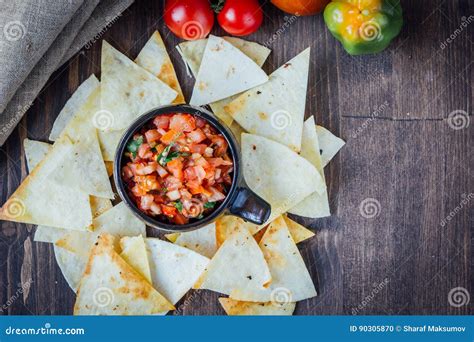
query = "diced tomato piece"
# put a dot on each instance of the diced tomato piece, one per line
(197, 148)
(147, 183)
(173, 195)
(152, 135)
(175, 166)
(144, 151)
(216, 195)
(172, 183)
(146, 202)
(200, 122)
(127, 172)
(202, 162)
(138, 191)
(196, 136)
(182, 123)
(221, 145)
(168, 210)
(142, 169)
(170, 137)
(180, 219)
(216, 162)
(161, 171)
(162, 121)
(155, 209)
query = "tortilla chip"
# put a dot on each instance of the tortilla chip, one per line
(276, 109)
(49, 234)
(192, 53)
(118, 221)
(277, 174)
(174, 269)
(238, 266)
(108, 143)
(315, 205)
(110, 286)
(77, 100)
(237, 308)
(39, 200)
(329, 144)
(224, 71)
(202, 240)
(135, 254)
(226, 225)
(35, 151)
(172, 237)
(291, 281)
(83, 168)
(127, 90)
(109, 165)
(72, 266)
(155, 59)
(297, 231)
(237, 130)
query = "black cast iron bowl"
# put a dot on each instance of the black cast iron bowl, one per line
(239, 201)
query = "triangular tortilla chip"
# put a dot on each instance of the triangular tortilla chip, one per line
(329, 144)
(193, 51)
(155, 59)
(297, 231)
(71, 265)
(110, 286)
(127, 90)
(315, 205)
(39, 200)
(238, 265)
(118, 221)
(276, 109)
(226, 225)
(237, 308)
(35, 151)
(202, 240)
(291, 281)
(135, 254)
(83, 169)
(174, 269)
(224, 71)
(109, 141)
(277, 174)
(76, 101)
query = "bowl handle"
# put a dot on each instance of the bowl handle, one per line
(250, 206)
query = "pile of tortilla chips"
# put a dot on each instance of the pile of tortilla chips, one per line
(103, 249)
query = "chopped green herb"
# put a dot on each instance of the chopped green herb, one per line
(134, 145)
(178, 205)
(209, 205)
(163, 155)
(200, 216)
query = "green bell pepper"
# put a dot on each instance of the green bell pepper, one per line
(364, 26)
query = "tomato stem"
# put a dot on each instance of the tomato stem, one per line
(217, 5)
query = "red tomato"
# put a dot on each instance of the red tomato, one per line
(189, 19)
(240, 17)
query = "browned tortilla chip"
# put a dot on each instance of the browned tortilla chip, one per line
(110, 286)
(236, 308)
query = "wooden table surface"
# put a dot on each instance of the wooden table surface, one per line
(406, 162)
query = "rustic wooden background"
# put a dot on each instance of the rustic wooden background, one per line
(402, 158)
